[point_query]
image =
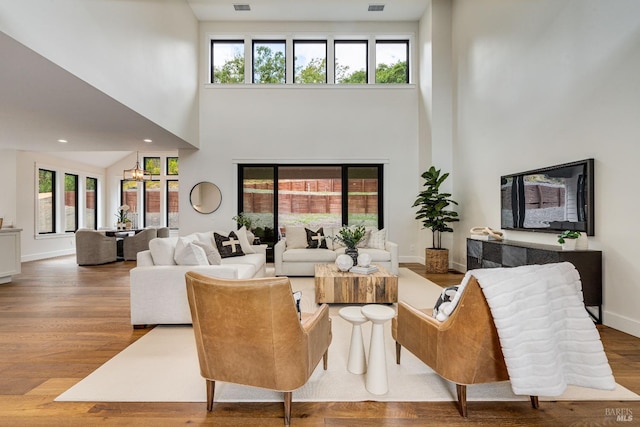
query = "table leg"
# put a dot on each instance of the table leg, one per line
(357, 363)
(377, 382)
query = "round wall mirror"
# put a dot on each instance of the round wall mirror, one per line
(205, 197)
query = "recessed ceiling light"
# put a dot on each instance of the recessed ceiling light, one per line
(376, 7)
(241, 7)
(62, 141)
(148, 141)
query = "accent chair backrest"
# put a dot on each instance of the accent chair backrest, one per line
(248, 331)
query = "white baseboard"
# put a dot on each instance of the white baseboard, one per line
(621, 323)
(411, 259)
(462, 268)
(46, 255)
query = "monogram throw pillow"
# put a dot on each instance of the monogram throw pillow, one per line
(228, 246)
(315, 239)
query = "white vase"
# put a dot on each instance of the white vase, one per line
(569, 245)
(582, 242)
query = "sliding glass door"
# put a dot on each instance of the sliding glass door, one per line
(274, 196)
(256, 201)
(310, 196)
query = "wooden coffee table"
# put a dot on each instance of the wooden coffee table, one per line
(335, 286)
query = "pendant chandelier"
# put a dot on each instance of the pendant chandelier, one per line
(137, 173)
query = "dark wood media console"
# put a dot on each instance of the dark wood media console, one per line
(493, 253)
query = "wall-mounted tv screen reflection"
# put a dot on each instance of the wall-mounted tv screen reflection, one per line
(550, 199)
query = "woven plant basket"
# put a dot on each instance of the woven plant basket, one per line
(437, 260)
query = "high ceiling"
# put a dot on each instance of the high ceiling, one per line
(308, 10)
(41, 103)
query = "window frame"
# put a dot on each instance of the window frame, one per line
(145, 159)
(54, 201)
(345, 191)
(366, 59)
(75, 206)
(212, 65)
(168, 173)
(168, 211)
(407, 53)
(253, 59)
(145, 202)
(326, 58)
(95, 202)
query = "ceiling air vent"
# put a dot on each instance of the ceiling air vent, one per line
(376, 7)
(241, 7)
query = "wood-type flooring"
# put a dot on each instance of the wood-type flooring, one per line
(59, 322)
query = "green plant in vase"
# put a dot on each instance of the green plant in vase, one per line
(121, 214)
(433, 213)
(350, 237)
(568, 239)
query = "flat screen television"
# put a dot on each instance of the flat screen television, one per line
(551, 199)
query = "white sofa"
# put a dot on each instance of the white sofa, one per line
(158, 289)
(294, 260)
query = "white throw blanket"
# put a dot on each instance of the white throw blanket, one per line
(547, 337)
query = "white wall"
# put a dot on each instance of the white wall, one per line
(36, 246)
(8, 170)
(436, 106)
(142, 53)
(298, 124)
(547, 82)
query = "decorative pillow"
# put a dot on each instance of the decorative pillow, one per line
(377, 239)
(297, 296)
(204, 237)
(296, 238)
(180, 246)
(365, 240)
(315, 239)
(163, 250)
(228, 246)
(190, 254)
(212, 254)
(444, 305)
(244, 241)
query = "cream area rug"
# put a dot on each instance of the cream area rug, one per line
(163, 366)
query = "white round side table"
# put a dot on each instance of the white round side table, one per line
(377, 382)
(357, 364)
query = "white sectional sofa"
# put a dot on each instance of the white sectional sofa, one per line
(295, 259)
(158, 289)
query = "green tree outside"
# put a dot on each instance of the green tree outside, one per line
(314, 72)
(269, 66)
(70, 182)
(152, 165)
(172, 166)
(394, 73)
(231, 72)
(91, 184)
(45, 181)
(343, 76)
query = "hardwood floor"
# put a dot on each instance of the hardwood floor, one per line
(59, 322)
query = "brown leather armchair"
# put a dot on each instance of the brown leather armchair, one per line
(248, 332)
(463, 349)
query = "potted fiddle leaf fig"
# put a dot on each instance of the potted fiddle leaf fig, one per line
(434, 213)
